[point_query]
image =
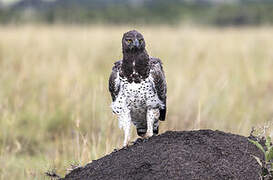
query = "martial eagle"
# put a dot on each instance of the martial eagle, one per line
(138, 88)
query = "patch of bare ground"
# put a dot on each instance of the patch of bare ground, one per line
(203, 154)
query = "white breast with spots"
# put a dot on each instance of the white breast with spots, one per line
(136, 97)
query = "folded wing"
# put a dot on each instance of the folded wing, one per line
(114, 81)
(160, 85)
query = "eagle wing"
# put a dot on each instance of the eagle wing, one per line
(114, 81)
(160, 84)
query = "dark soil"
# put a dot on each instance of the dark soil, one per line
(203, 155)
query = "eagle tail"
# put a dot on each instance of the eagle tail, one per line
(162, 114)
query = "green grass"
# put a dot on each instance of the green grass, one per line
(54, 100)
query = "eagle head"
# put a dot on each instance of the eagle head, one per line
(133, 41)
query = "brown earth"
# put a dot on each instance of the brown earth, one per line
(199, 155)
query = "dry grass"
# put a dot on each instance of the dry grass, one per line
(54, 102)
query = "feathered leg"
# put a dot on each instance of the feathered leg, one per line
(152, 116)
(125, 124)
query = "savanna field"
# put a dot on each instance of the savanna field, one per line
(54, 100)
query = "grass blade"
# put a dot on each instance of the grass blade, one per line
(269, 154)
(258, 145)
(258, 160)
(268, 142)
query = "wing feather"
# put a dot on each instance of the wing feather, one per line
(114, 82)
(160, 84)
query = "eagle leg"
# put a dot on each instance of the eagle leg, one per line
(125, 124)
(126, 136)
(152, 117)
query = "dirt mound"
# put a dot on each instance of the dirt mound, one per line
(203, 154)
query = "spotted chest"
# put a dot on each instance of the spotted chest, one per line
(136, 98)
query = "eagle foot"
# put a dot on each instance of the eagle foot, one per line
(128, 144)
(147, 135)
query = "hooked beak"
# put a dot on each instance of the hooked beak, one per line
(136, 43)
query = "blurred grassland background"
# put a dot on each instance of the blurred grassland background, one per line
(56, 57)
(54, 100)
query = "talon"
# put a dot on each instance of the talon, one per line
(139, 140)
(128, 144)
(145, 139)
(147, 135)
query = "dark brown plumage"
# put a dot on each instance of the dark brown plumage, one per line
(135, 59)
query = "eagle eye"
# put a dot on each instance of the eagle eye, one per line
(129, 40)
(140, 40)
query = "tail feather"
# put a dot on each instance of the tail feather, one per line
(162, 114)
